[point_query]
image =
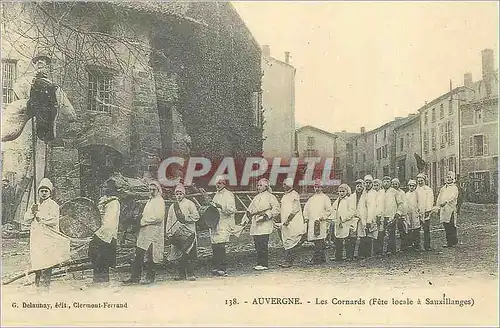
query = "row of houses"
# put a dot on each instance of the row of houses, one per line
(457, 131)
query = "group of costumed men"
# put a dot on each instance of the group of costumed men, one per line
(375, 208)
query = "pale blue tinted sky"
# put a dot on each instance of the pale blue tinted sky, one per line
(363, 63)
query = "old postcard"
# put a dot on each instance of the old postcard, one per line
(247, 163)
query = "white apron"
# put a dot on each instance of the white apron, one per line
(188, 208)
(152, 232)
(263, 203)
(319, 205)
(425, 199)
(291, 234)
(343, 218)
(412, 214)
(226, 226)
(448, 195)
(371, 213)
(48, 246)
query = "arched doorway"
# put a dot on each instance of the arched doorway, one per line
(97, 164)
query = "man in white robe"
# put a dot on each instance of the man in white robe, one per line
(392, 213)
(292, 222)
(317, 212)
(48, 247)
(358, 204)
(370, 231)
(447, 204)
(151, 238)
(378, 244)
(412, 216)
(425, 201)
(186, 215)
(225, 202)
(102, 248)
(262, 211)
(343, 219)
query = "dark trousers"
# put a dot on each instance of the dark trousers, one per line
(339, 248)
(378, 244)
(403, 235)
(42, 277)
(185, 266)
(391, 231)
(262, 247)
(350, 246)
(451, 231)
(219, 256)
(365, 247)
(291, 254)
(427, 234)
(138, 264)
(103, 256)
(414, 238)
(319, 255)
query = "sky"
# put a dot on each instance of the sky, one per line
(364, 63)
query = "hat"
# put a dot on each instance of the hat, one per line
(421, 175)
(288, 182)
(395, 180)
(39, 55)
(46, 183)
(377, 180)
(158, 186)
(221, 179)
(264, 181)
(368, 177)
(180, 187)
(386, 178)
(318, 183)
(412, 182)
(345, 187)
(360, 181)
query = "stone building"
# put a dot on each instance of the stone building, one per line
(147, 80)
(315, 142)
(278, 101)
(407, 139)
(384, 148)
(360, 158)
(439, 126)
(479, 134)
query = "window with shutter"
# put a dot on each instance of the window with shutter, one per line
(485, 145)
(471, 146)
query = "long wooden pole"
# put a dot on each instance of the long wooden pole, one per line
(33, 152)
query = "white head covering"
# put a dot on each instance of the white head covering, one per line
(288, 182)
(412, 182)
(368, 177)
(46, 183)
(421, 175)
(346, 188)
(157, 185)
(180, 187)
(396, 180)
(220, 178)
(451, 174)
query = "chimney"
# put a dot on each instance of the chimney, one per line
(266, 50)
(287, 57)
(468, 79)
(343, 131)
(487, 57)
(362, 129)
